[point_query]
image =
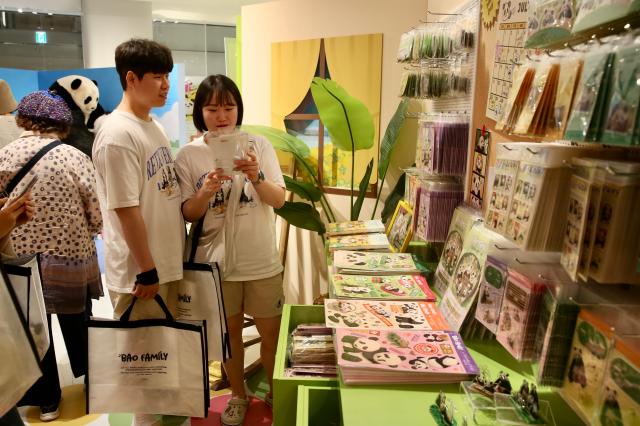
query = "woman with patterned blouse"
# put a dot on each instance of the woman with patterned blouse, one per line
(66, 219)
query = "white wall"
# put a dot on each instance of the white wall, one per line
(287, 20)
(105, 24)
(70, 7)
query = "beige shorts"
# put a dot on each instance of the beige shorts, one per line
(258, 298)
(145, 309)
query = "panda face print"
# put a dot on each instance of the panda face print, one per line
(440, 362)
(387, 358)
(419, 363)
(430, 337)
(366, 345)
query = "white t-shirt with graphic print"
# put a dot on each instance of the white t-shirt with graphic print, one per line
(256, 253)
(135, 167)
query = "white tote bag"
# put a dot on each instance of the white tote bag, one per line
(152, 366)
(25, 278)
(20, 366)
(200, 298)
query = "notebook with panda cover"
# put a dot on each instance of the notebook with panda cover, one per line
(377, 242)
(373, 263)
(355, 227)
(402, 356)
(378, 314)
(396, 287)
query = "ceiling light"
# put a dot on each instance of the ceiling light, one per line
(34, 12)
(19, 10)
(49, 13)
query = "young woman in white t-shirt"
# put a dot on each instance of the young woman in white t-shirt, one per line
(253, 273)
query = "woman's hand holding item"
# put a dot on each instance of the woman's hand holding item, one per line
(213, 182)
(249, 167)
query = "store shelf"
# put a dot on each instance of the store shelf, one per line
(318, 406)
(285, 389)
(409, 404)
(606, 29)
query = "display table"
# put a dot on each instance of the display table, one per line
(409, 404)
(390, 404)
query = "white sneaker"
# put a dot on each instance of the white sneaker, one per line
(49, 413)
(234, 414)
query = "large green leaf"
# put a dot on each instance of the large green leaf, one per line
(393, 199)
(302, 215)
(364, 184)
(348, 120)
(303, 189)
(391, 136)
(280, 140)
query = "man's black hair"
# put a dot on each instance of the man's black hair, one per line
(142, 56)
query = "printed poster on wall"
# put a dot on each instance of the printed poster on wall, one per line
(510, 39)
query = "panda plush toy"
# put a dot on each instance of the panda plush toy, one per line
(82, 96)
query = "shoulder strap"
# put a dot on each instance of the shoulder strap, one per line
(195, 237)
(27, 167)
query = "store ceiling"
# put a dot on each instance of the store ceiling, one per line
(211, 11)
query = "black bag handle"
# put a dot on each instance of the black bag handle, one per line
(197, 232)
(27, 167)
(125, 316)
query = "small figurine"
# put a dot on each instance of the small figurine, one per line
(443, 410)
(532, 401)
(526, 400)
(502, 383)
(483, 385)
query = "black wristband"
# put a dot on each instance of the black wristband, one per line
(149, 277)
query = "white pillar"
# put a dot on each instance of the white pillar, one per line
(106, 24)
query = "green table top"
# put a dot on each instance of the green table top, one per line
(372, 405)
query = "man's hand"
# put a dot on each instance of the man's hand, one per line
(145, 292)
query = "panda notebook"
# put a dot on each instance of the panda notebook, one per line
(355, 227)
(373, 263)
(374, 314)
(417, 357)
(378, 242)
(397, 287)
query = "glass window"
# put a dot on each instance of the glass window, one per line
(199, 46)
(58, 44)
(304, 123)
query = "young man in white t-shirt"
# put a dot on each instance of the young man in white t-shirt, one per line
(138, 188)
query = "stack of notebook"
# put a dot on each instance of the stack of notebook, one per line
(367, 263)
(398, 356)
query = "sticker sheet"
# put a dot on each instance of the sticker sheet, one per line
(504, 181)
(525, 202)
(479, 170)
(510, 39)
(579, 191)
